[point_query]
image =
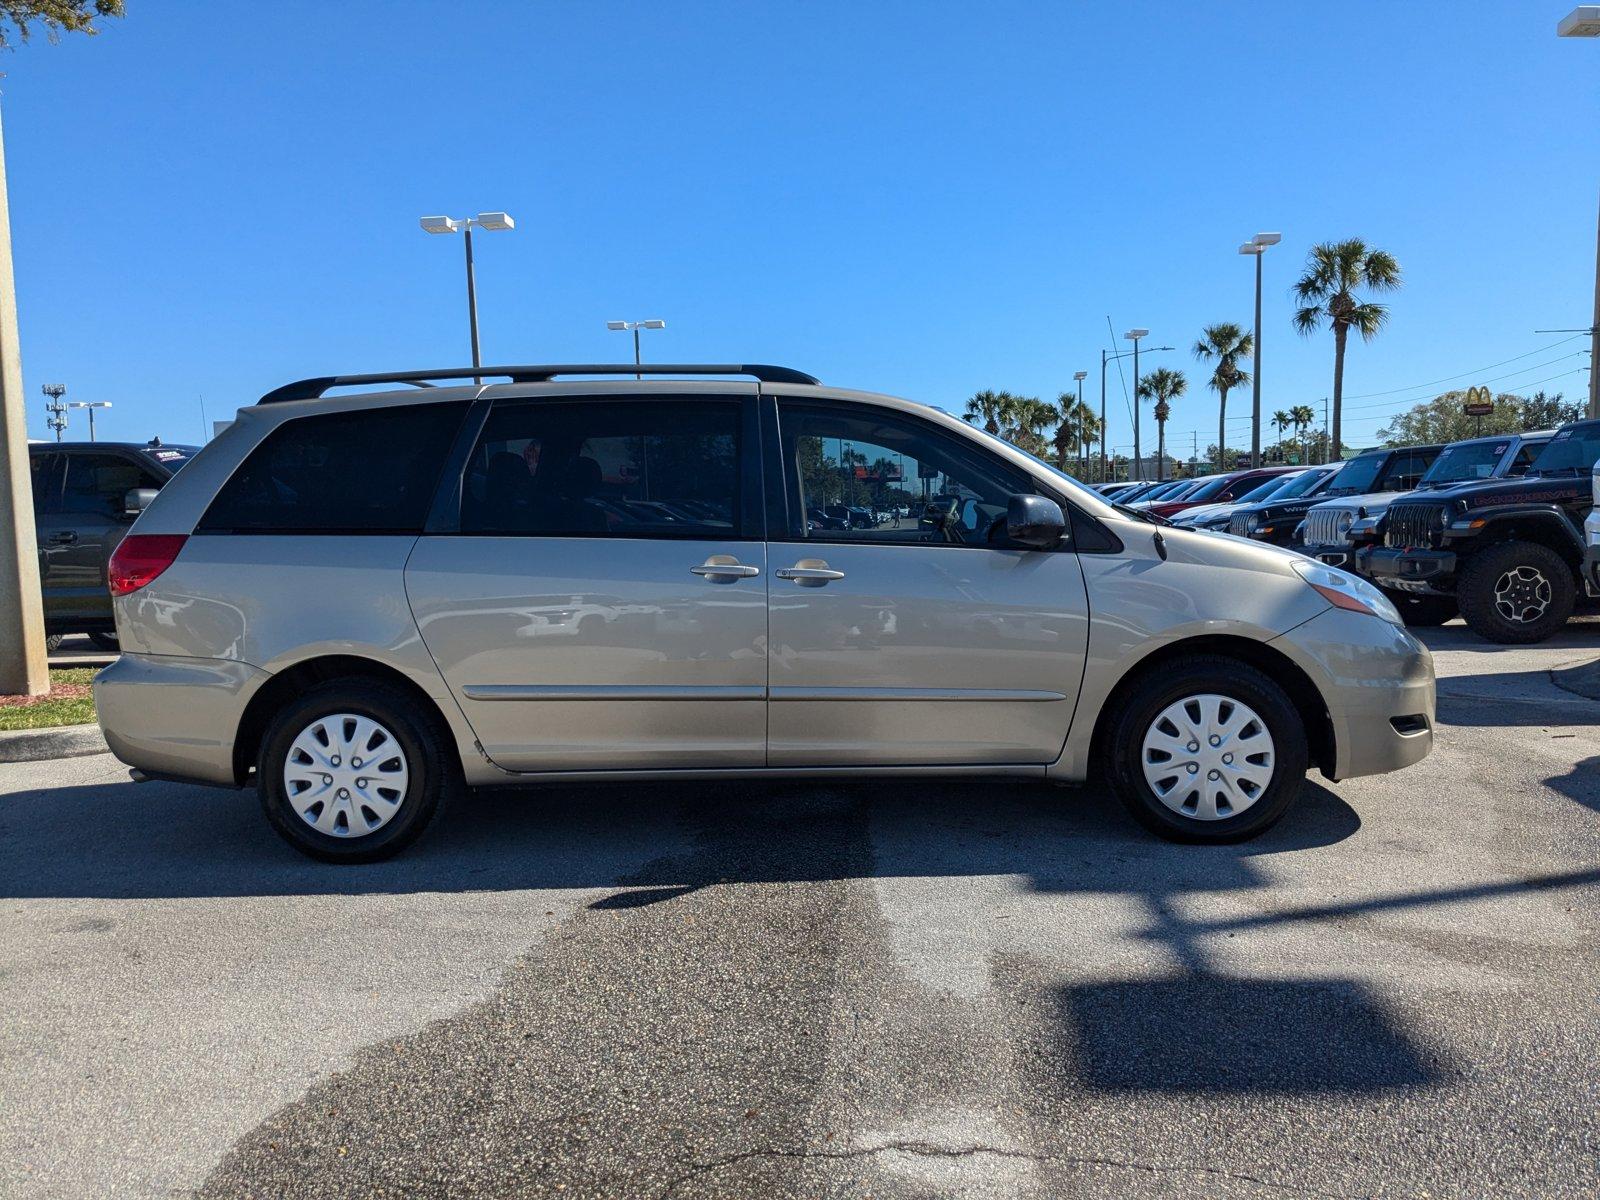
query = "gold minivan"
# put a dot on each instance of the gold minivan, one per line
(361, 603)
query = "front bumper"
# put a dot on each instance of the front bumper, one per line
(1591, 553)
(1377, 683)
(1421, 571)
(175, 717)
(1343, 557)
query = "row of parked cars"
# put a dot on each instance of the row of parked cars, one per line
(1500, 530)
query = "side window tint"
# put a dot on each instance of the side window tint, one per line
(45, 472)
(870, 475)
(598, 468)
(97, 483)
(368, 470)
(1526, 453)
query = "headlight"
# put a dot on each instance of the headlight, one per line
(1346, 519)
(1344, 590)
(1253, 522)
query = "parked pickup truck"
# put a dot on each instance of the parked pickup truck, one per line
(1336, 530)
(1510, 551)
(85, 495)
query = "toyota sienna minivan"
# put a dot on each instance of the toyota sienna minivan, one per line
(363, 603)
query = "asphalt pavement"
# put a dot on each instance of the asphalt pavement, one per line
(919, 988)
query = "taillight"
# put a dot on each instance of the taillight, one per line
(139, 558)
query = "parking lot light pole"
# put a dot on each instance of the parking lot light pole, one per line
(1080, 376)
(1107, 357)
(91, 405)
(1256, 247)
(491, 221)
(636, 326)
(1584, 21)
(1133, 335)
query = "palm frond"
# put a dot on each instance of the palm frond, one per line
(1308, 320)
(1367, 319)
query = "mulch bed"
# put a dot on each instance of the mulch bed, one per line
(61, 691)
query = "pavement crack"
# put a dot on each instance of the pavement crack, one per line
(931, 1150)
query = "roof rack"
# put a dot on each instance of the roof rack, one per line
(312, 389)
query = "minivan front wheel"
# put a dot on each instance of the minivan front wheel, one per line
(352, 771)
(1208, 749)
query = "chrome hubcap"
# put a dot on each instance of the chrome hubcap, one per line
(345, 775)
(1522, 595)
(1208, 757)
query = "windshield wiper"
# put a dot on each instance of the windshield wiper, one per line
(1141, 515)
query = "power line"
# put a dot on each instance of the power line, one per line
(1535, 383)
(1465, 374)
(1508, 375)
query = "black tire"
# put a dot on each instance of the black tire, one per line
(107, 642)
(433, 775)
(1199, 675)
(1492, 616)
(52, 642)
(1423, 612)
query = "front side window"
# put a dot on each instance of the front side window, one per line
(870, 475)
(1407, 470)
(370, 470)
(598, 468)
(99, 483)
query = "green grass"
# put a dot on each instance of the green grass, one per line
(53, 709)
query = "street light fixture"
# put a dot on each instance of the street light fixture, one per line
(635, 326)
(91, 405)
(1256, 247)
(1583, 21)
(493, 222)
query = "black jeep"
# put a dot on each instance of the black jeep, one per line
(1510, 551)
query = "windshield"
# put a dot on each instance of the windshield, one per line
(171, 457)
(1572, 449)
(1076, 488)
(1270, 487)
(1359, 474)
(1464, 461)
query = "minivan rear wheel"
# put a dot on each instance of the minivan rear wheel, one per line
(352, 771)
(1207, 749)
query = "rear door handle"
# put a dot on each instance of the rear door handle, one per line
(724, 568)
(809, 572)
(64, 538)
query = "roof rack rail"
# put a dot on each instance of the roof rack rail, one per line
(312, 389)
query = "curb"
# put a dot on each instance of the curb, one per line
(61, 741)
(1581, 680)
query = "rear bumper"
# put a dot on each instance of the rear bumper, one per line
(1421, 571)
(1377, 683)
(175, 717)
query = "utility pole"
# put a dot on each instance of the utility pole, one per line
(57, 419)
(1594, 332)
(24, 670)
(1327, 450)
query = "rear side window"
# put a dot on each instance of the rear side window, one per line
(365, 471)
(46, 472)
(598, 469)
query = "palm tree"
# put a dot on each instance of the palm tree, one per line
(989, 407)
(1302, 415)
(1090, 432)
(1029, 418)
(1281, 422)
(1068, 437)
(1163, 385)
(1226, 344)
(1326, 290)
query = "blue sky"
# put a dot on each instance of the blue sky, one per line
(923, 199)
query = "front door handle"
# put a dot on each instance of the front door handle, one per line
(809, 572)
(724, 568)
(64, 538)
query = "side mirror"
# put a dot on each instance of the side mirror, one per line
(136, 500)
(1035, 522)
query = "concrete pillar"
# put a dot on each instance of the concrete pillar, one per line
(23, 668)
